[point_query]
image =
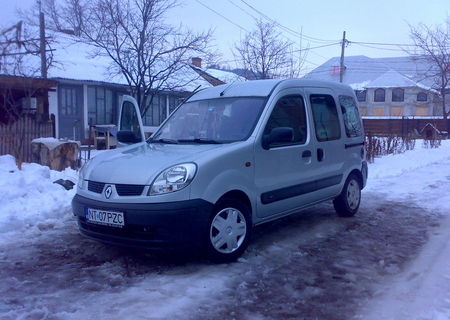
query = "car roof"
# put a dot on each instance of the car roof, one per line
(261, 88)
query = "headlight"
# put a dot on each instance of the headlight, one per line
(173, 179)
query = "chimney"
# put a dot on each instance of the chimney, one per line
(196, 61)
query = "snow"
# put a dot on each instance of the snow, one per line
(422, 291)
(225, 76)
(29, 200)
(359, 85)
(392, 79)
(52, 143)
(396, 165)
(50, 272)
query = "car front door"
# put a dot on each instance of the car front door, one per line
(285, 171)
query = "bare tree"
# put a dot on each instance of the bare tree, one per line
(265, 54)
(433, 49)
(149, 53)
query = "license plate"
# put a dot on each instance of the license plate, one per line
(104, 217)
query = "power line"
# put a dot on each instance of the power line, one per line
(373, 47)
(388, 44)
(291, 31)
(242, 9)
(294, 51)
(221, 15)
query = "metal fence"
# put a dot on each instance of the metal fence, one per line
(16, 137)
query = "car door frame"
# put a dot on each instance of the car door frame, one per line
(333, 164)
(284, 197)
(130, 99)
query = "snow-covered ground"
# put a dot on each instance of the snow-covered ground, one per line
(390, 262)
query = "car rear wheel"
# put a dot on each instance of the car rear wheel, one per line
(347, 203)
(229, 230)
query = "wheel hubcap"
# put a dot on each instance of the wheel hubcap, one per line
(353, 194)
(228, 230)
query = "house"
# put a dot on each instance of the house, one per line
(82, 91)
(392, 87)
(24, 95)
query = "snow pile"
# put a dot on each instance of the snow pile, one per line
(393, 165)
(29, 198)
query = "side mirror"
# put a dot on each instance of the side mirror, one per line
(277, 135)
(125, 136)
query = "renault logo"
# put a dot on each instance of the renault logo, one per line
(108, 191)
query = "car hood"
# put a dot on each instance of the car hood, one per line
(141, 163)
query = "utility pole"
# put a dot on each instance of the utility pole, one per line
(42, 42)
(341, 68)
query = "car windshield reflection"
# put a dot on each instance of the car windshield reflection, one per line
(212, 121)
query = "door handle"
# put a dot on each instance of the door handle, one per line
(319, 154)
(306, 154)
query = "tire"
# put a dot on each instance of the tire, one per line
(347, 203)
(229, 230)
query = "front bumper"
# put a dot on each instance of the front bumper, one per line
(180, 224)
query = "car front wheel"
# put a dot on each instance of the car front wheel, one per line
(229, 230)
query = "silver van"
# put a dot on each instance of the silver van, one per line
(228, 159)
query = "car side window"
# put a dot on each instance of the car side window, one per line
(352, 120)
(326, 120)
(289, 112)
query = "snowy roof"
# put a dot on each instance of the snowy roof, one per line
(216, 76)
(76, 61)
(364, 72)
(225, 76)
(391, 79)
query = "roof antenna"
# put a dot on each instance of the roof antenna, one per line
(223, 92)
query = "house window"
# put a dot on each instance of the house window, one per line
(326, 120)
(69, 102)
(398, 95)
(101, 109)
(161, 107)
(352, 120)
(380, 95)
(29, 104)
(361, 95)
(174, 102)
(156, 112)
(422, 96)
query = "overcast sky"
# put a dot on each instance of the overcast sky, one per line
(384, 21)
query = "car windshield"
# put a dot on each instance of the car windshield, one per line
(211, 121)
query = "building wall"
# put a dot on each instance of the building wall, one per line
(409, 107)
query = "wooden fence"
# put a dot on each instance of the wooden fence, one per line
(404, 126)
(15, 138)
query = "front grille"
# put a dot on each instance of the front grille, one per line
(95, 186)
(129, 189)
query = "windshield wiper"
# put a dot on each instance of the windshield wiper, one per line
(164, 140)
(200, 140)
